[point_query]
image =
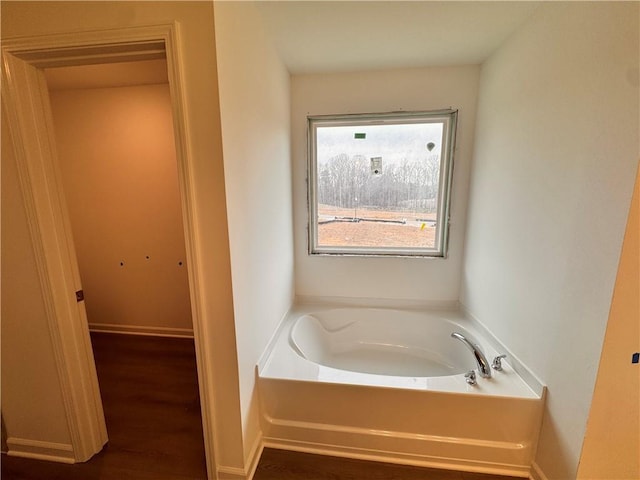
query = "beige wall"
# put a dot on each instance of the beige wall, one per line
(418, 279)
(556, 152)
(254, 103)
(199, 72)
(611, 449)
(117, 156)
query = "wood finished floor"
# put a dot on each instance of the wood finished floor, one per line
(151, 404)
(150, 396)
(283, 465)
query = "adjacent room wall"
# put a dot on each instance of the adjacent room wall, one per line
(612, 441)
(417, 279)
(117, 157)
(254, 103)
(219, 378)
(555, 158)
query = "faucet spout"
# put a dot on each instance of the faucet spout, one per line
(481, 360)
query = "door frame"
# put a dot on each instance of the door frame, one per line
(26, 100)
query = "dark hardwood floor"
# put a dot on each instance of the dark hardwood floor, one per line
(150, 396)
(283, 465)
(151, 403)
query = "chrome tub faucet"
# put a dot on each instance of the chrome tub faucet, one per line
(483, 365)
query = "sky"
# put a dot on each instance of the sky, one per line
(393, 143)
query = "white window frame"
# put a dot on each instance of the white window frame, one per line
(448, 118)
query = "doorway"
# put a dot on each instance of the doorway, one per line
(116, 155)
(28, 109)
(115, 147)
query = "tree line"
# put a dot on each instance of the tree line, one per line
(349, 182)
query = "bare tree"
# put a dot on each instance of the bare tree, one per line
(347, 182)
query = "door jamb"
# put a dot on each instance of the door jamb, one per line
(26, 101)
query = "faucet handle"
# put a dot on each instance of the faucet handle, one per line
(497, 362)
(470, 376)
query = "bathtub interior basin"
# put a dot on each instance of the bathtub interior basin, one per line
(378, 342)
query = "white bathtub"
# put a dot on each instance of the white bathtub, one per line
(381, 341)
(388, 384)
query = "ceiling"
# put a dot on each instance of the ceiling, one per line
(338, 36)
(325, 36)
(120, 74)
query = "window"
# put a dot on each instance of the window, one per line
(379, 183)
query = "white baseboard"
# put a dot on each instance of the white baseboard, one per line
(537, 473)
(139, 330)
(251, 464)
(231, 473)
(35, 449)
(395, 457)
(331, 440)
(254, 457)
